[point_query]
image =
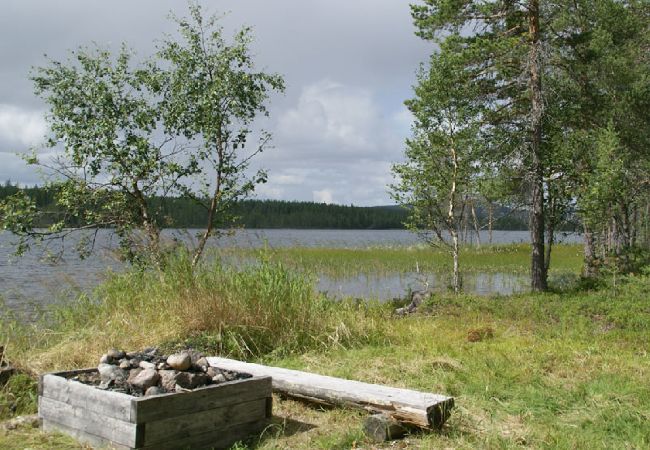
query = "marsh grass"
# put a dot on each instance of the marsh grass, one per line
(342, 262)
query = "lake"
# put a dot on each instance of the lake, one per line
(31, 280)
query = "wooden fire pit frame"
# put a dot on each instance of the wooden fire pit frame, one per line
(214, 416)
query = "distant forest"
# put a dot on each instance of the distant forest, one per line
(183, 213)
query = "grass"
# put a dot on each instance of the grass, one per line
(341, 262)
(259, 310)
(560, 371)
(567, 369)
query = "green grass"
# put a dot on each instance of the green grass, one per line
(560, 370)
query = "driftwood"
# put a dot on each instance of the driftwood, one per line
(379, 428)
(417, 298)
(405, 406)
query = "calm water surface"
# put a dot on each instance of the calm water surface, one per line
(32, 280)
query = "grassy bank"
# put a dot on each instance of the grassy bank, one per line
(556, 370)
(260, 310)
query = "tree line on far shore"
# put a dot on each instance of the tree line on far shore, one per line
(184, 213)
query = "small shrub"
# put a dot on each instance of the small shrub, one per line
(19, 396)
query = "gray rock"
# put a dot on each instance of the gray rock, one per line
(194, 356)
(116, 354)
(230, 376)
(154, 390)
(132, 374)
(125, 364)
(105, 359)
(162, 366)
(219, 378)
(202, 364)
(135, 362)
(168, 379)
(189, 380)
(31, 421)
(145, 379)
(147, 365)
(179, 361)
(109, 372)
(213, 372)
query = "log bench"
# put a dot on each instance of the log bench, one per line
(394, 410)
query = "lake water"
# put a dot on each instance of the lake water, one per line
(387, 287)
(32, 280)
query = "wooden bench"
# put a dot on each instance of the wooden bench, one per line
(394, 409)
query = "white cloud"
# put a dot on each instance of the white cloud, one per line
(269, 191)
(20, 126)
(324, 196)
(403, 119)
(330, 113)
(291, 178)
(335, 144)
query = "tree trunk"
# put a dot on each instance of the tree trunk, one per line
(550, 240)
(151, 229)
(456, 275)
(490, 220)
(476, 227)
(634, 227)
(451, 222)
(538, 273)
(214, 203)
(589, 269)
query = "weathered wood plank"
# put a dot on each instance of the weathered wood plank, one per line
(213, 439)
(81, 436)
(75, 372)
(65, 374)
(181, 427)
(421, 409)
(88, 421)
(111, 404)
(147, 409)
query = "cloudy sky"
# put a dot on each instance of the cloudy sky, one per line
(348, 66)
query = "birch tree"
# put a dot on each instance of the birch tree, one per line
(177, 125)
(437, 178)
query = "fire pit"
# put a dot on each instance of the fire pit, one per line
(133, 409)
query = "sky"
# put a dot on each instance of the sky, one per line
(348, 67)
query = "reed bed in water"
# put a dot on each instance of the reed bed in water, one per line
(343, 262)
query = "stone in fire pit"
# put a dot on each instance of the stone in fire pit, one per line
(136, 372)
(152, 404)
